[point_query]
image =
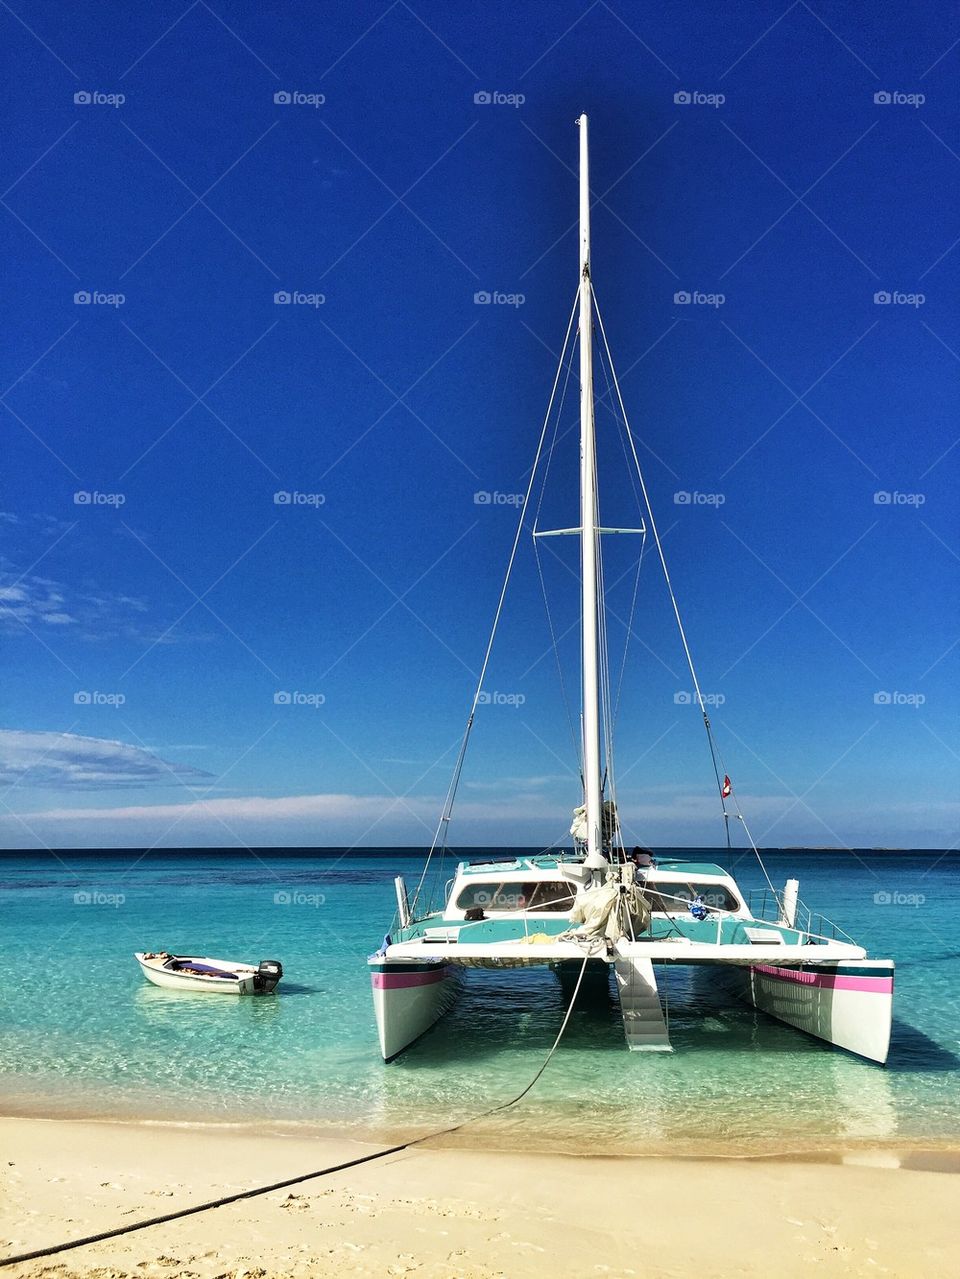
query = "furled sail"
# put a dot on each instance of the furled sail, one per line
(579, 828)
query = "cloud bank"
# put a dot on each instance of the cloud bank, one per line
(68, 761)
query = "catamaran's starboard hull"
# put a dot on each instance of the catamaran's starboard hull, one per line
(408, 998)
(848, 1004)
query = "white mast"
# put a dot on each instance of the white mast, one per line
(588, 525)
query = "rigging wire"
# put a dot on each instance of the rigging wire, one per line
(441, 831)
(605, 697)
(629, 634)
(577, 744)
(676, 612)
(621, 435)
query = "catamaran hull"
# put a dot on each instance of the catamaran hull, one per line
(848, 1004)
(409, 998)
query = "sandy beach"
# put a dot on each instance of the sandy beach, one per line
(454, 1214)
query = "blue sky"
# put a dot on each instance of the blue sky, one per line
(738, 152)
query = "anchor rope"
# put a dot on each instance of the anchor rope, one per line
(257, 1191)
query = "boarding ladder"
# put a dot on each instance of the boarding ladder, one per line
(643, 1022)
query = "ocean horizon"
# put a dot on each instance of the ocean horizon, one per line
(467, 850)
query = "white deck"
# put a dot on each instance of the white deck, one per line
(675, 950)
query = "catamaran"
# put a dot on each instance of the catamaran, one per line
(603, 907)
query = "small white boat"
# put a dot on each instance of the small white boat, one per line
(200, 973)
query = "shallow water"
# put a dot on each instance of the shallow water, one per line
(81, 1032)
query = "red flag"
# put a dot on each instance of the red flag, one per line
(725, 788)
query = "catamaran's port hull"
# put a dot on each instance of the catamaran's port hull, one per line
(409, 998)
(849, 1005)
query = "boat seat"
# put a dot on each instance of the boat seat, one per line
(203, 970)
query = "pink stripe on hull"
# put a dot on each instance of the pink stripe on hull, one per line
(828, 981)
(400, 981)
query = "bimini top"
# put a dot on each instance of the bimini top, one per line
(553, 861)
(675, 864)
(490, 865)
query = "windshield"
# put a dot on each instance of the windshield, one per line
(674, 898)
(540, 894)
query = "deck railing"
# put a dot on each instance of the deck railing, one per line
(765, 904)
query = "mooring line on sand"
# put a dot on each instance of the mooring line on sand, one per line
(192, 1211)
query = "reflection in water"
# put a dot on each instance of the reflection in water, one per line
(863, 1100)
(771, 1088)
(159, 1006)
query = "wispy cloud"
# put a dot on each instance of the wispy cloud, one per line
(250, 808)
(83, 611)
(520, 783)
(42, 591)
(35, 601)
(68, 761)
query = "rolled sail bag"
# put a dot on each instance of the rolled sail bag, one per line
(637, 909)
(592, 911)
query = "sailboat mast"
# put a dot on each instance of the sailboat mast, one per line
(588, 524)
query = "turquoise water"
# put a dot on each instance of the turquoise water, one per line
(81, 1032)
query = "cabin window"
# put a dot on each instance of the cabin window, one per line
(666, 900)
(539, 894)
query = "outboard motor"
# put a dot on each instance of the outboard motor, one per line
(267, 975)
